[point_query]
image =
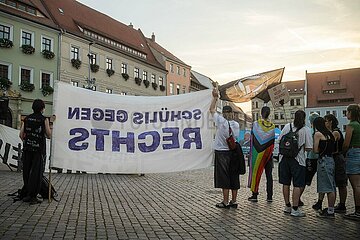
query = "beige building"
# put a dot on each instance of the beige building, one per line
(103, 54)
(282, 115)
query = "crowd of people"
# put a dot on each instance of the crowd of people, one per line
(321, 149)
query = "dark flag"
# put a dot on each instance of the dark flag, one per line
(247, 88)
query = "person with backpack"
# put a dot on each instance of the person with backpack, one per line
(351, 147)
(33, 132)
(295, 139)
(224, 176)
(261, 149)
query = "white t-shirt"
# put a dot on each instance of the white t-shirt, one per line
(222, 131)
(305, 141)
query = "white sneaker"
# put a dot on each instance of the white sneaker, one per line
(297, 213)
(287, 210)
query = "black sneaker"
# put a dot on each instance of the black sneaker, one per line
(222, 205)
(317, 206)
(340, 208)
(233, 204)
(353, 216)
(35, 200)
(324, 214)
(253, 198)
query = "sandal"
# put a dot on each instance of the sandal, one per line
(222, 205)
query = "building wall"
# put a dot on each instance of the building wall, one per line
(115, 82)
(21, 101)
(175, 78)
(338, 111)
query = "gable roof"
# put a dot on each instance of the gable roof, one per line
(42, 17)
(74, 17)
(164, 52)
(297, 86)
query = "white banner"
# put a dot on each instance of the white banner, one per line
(100, 132)
(11, 144)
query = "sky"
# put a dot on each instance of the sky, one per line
(230, 39)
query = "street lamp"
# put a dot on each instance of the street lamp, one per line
(90, 81)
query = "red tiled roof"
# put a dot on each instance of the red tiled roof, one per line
(37, 4)
(318, 82)
(295, 86)
(164, 52)
(68, 14)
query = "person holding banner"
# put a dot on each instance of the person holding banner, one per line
(33, 132)
(261, 149)
(224, 177)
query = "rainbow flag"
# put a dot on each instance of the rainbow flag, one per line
(261, 149)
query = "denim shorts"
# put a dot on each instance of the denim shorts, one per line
(353, 161)
(326, 175)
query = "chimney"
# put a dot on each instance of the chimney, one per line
(130, 25)
(153, 37)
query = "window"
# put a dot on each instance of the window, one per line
(178, 70)
(136, 72)
(108, 90)
(26, 38)
(276, 126)
(5, 71)
(161, 81)
(123, 93)
(276, 116)
(327, 112)
(344, 113)
(171, 67)
(292, 102)
(109, 63)
(94, 88)
(282, 126)
(184, 72)
(26, 74)
(153, 77)
(184, 89)
(298, 102)
(144, 75)
(334, 112)
(292, 114)
(256, 116)
(256, 105)
(46, 79)
(92, 58)
(171, 88)
(5, 32)
(74, 53)
(46, 44)
(74, 83)
(330, 83)
(124, 68)
(177, 89)
(281, 115)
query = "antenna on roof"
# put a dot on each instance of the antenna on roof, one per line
(131, 25)
(153, 37)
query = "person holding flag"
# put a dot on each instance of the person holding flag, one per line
(261, 149)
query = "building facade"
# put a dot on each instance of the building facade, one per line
(331, 92)
(28, 57)
(103, 54)
(283, 115)
(178, 72)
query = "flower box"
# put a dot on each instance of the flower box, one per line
(125, 76)
(162, 88)
(76, 63)
(6, 43)
(27, 49)
(94, 68)
(5, 83)
(47, 90)
(146, 83)
(110, 72)
(154, 85)
(26, 86)
(138, 81)
(48, 54)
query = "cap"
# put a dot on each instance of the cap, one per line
(313, 116)
(227, 109)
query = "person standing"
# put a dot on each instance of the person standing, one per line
(331, 123)
(293, 169)
(324, 145)
(352, 148)
(224, 177)
(261, 149)
(33, 132)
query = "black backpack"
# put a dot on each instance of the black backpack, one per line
(289, 144)
(44, 190)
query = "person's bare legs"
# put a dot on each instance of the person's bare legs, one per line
(355, 183)
(286, 194)
(296, 196)
(342, 194)
(225, 196)
(234, 195)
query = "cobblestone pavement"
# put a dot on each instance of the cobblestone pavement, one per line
(159, 206)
